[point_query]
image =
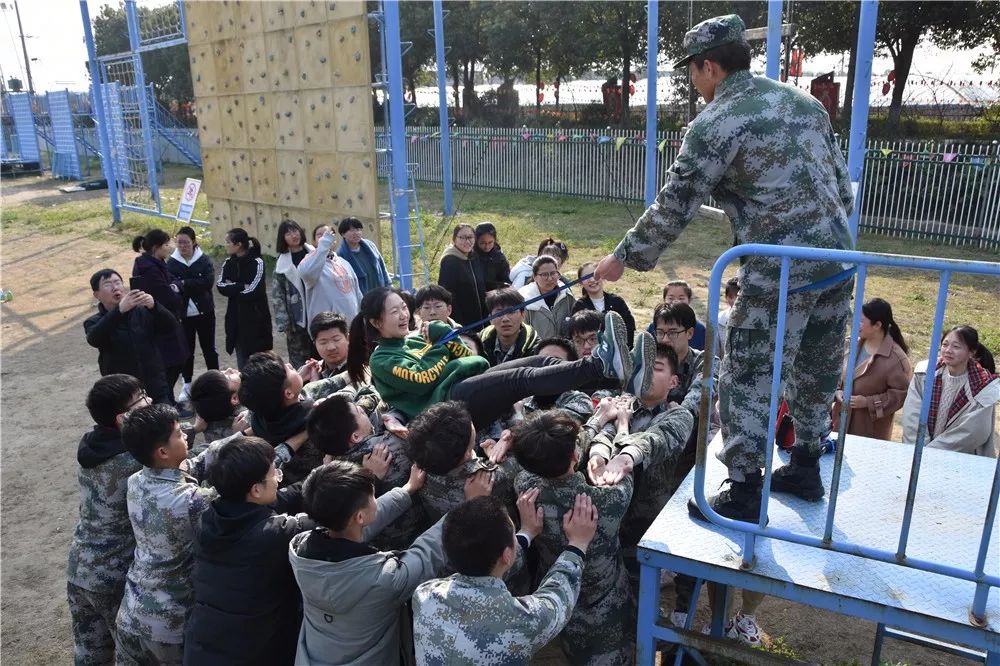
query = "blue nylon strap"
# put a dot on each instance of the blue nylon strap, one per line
(454, 333)
(825, 282)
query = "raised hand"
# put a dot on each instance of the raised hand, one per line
(595, 470)
(416, 481)
(531, 515)
(377, 462)
(580, 523)
(616, 470)
(479, 484)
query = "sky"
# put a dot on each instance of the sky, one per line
(56, 47)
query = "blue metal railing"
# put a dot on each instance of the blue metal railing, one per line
(946, 267)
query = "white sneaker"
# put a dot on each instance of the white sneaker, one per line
(185, 394)
(745, 629)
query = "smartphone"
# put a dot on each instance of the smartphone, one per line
(136, 282)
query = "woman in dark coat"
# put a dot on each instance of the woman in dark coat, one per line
(248, 319)
(150, 274)
(463, 278)
(490, 257)
(197, 275)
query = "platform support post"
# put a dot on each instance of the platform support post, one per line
(649, 596)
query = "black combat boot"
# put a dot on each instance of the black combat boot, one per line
(741, 501)
(800, 477)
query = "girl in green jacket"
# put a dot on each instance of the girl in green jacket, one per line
(412, 371)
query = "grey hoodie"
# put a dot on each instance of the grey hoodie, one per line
(354, 610)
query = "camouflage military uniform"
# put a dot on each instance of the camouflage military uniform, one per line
(443, 492)
(475, 619)
(99, 557)
(655, 448)
(326, 385)
(767, 153)
(601, 629)
(575, 403)
(164, 506)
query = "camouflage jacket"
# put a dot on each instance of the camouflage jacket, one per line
(575, 403)
(165, 508)
(102, 546)
(443, 492)
(399, 534)
(655, 450)
(768, 155)
(476, 620)
(603, 622)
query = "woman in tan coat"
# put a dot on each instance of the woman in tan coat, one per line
(881, 376)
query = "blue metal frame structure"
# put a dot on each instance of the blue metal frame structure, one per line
(442, 80)
(130, 140)
(19, 105)
(65, 159)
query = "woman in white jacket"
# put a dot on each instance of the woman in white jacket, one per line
(963, 400)
(331, 283)
(288, 292)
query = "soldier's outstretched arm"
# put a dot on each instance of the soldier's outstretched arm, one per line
(706, 154)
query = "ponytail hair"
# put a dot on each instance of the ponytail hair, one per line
(364, 336)
(153, 238)
(879, 311)
(250, 245)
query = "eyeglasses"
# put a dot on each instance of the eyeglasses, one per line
(547, 275)
(581, 340)
(142, 398)
(673, 333)
(111, 284)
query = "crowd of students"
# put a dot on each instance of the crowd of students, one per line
(396, 493)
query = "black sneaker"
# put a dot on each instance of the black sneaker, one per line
(800, 477)
(741, 501)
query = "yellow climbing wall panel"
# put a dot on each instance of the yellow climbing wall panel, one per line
(284, 113)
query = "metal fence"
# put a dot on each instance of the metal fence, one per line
(941, 191)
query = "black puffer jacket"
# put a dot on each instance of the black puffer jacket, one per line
(197, 278)
(156, 281)
(246, 602)
(463, 278)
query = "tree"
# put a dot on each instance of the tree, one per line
(902, 25)
(464, 28)
(166, 69)
(831, 27)
(569, 40)
(415, 19)
(619, 30)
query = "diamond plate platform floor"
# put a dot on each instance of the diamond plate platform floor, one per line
(949, 513)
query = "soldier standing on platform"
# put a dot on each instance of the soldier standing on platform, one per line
(767, 153)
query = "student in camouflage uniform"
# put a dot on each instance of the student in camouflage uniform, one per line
(471, 617)
(767, 153)
(349, 426)
(164, 507)
(601, 629)
(442, 442)
(216, 404)
(101, 550)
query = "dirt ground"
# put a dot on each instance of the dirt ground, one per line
(46, 369)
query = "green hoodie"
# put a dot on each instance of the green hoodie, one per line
(411, 373)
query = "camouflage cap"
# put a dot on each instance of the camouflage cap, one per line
(710, 34)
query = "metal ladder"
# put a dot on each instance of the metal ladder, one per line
(409, 189)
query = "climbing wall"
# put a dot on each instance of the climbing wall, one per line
(285, 114)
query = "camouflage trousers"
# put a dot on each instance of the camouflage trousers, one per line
(131, 650)
(93, 615)
(300, 345)
(810, 372)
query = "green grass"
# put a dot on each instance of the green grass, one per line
(592, 229)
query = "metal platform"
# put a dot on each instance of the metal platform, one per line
(948, 519)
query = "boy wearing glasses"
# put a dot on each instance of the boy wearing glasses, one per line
(246, 603)
(102, 546)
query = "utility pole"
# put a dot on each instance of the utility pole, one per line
(24, 47)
